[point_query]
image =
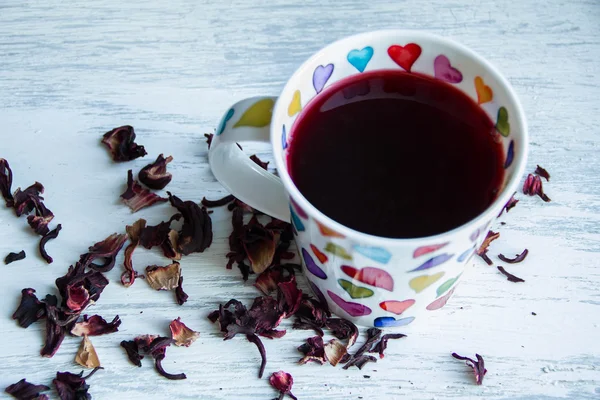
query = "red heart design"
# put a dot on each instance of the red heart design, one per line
(395, 306)
(405, 56)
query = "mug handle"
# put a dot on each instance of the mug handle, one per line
(248, 120)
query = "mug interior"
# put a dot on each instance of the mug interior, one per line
(412, 52)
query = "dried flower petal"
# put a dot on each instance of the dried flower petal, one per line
(382, 344)
(86, 355)
(39, 222)
(95, 326)
(518, 258)
(335, 351)
(24, 201)
(133, 352)
(510, 277)
(56, 323)
(158, 349)
(73, 386)
(511, 203)
(259, 162)
(181, 334)
(163, 278)
(282, 382)
(79, 288)
(155, 175)
(218, 203)
(12, 257)
(312, 315)
(136, 197)
(477, 366)
(24, 390)
(209, 138)
(483, 249)
(313, 350)
(343, 329)
(359, 359)
(106, 249)
(155, 235)
(196, 233)
(252, 338)
(289, 297)
(169, 246)
(259, 244)
(121, 144)
(533, 185)
(6, 182)
(53, 234)
(543, 173)
(30, 309)
(133, 232)
(180, 295)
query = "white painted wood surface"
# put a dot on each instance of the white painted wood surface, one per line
(69, 71)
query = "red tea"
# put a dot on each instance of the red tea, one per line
(396, 154)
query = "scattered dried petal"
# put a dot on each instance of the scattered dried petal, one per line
(382, 344)
(518, 258)
(311, 315)
(136, 197)
(510, 277)
(533, 185)
(313, 350)
(282, 382)
(53, 234)
(252, 338)
(163, 278)
(86, 355)
(121, 144)
(155, 175)
(511, 203)
(133, 352)
(180, 295)
(335, 351)
(343, 329)
(6, 182)
(169, 246)
(106, 249)
(196, 233)
(95, 326)
(259, 162)
(24, 390)
(30, 309)
(24, 201)
(543, 173)
(359, 359)
(477, 366)
(181, 334)
(39, 222)
(158, 349)
(56, 326)
(483, 249)
(209, 138)
(133, 232)
(259, 244)
(79, 288)
(73, 386)
(156, 235)
(218, 203)
(12, 257)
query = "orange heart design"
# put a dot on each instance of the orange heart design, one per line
(395, 306)
(320, 255)
(325, 231)
(484, 92)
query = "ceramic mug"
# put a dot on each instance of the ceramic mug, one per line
(370, 280)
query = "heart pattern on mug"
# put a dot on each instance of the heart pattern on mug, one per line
(444, 71)
(433, 262)
(371, 276)
(284, 143)
(295, 105)
(322, 257)
(360, 58)
(441, 302)
(356, 292)
(321, 76)
(226, 118)
(502, 124)
(296, 221)
(337, 250)
(353, 309)
(420, 251)
(484, 92)
(405, 56)
(312, 266)
(447, 285)
(378, 254)
(422, 282)
(395, 306)
(326, 231)
(391, 322)
(510, 155)
(258, 115)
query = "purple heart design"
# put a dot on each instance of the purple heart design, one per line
(444, 71)
(354, 309)
(321, 76)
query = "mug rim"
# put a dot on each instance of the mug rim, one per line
(520, 160)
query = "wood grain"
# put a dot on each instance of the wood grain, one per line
(70, 71)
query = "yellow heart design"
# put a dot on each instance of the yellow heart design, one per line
(484, 92)
(295, 106)
(257, 115)
(421, 282)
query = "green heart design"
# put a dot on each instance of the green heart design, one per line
(447, 285)
(502, 124)
(356, 292)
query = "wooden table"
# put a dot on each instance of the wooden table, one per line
(70, 71)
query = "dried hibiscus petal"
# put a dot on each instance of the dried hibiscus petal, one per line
(86, 355)
(510, 277)
(382, 344)
(155, 235)
(39, 222)
(477, 366)
(155, 175)
(12, 257)
(289, 297)
(282, 382)
(335, 351)
(483, 249)
(259, 244)
(209, 138)
(79, 288)
(136, 197)
(53, 234)
(218, 203)
(56, 325)
(196, 233)
(511, 203)
(133, 232)
(542, 172)
(359, 359)
(163, 278)
(518, 258)
(6, 182)
(313, 350)
(24, 390)
(106, 249)
(259, 162)
(311, 315)
(181, 334)
(180, 295)
(133, 351)
(73, 386)
(533, 186)
(158, 349)
(95, 326)
(30, 309)
(169, 246)
(121, 144)
(24, 201)
(342, 329)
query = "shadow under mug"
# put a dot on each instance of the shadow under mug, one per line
(370, 280)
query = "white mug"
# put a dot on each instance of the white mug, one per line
(400, 280)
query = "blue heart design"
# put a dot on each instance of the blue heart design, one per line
(296, 221)
(226, 118)
(360, 58)
(510, 155)
(378, 254)
(284, 143)
(433, 262)
(389, 322)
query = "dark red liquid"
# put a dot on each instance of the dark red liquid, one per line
(396, 154)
